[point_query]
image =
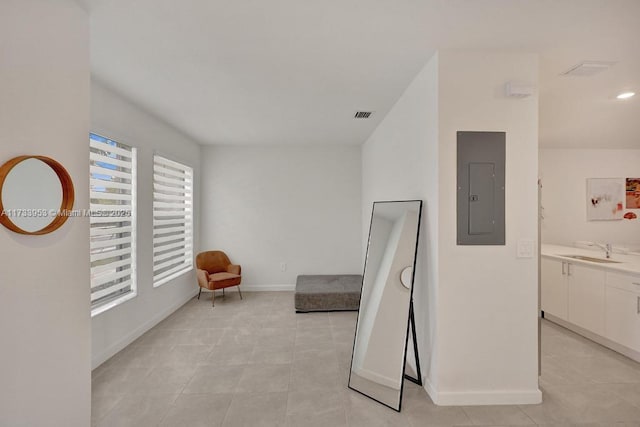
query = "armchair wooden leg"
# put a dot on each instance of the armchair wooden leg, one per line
(239, 292)
(199, 293)
(213, 297)
(222, 292)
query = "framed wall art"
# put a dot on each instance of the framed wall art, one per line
(605, 199)
(633, 193)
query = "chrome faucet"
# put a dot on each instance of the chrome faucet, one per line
(608, 248)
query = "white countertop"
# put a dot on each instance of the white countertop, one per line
(627, 263)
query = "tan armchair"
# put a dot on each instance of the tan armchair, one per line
(215, 271)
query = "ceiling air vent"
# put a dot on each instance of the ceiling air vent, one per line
(363, 114)
(588, 68)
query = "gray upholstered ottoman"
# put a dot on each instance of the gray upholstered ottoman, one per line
(328, 293)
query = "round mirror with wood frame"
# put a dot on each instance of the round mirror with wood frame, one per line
(60, 213)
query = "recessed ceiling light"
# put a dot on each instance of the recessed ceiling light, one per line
(625, 95)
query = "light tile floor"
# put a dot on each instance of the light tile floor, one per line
(256, 362)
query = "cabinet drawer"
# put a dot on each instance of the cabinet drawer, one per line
(623, 281)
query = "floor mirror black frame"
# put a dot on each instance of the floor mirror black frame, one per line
(410, 328)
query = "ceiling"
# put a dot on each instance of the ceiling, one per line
(296, 71)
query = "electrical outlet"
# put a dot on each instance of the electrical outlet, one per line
(283, 266)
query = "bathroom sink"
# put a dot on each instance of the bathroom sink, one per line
(592, 259)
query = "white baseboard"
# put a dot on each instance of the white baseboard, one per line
(468, 398)
(473, 398)
(267, 288)
(430, 389)
(99, 359)
(392, 383)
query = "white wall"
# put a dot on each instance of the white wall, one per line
(298, 205)
(400, 162)
(488, 298)
(564, 174)
(44, 280)
(115, 117)
(476, 306)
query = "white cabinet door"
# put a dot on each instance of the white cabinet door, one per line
(623, 316)
(587, 297)
(554, 288)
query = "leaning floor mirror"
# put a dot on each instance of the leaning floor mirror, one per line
(385, 319)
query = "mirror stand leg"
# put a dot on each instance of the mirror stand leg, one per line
(412, 322)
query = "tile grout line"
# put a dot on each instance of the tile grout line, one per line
(335, 325)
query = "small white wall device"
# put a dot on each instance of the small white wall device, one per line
(519, 90)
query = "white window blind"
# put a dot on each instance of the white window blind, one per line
(172, 219)
(112, 222)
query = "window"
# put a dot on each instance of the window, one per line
(172, 219)
(112, 222)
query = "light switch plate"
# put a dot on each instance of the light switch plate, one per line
(525, 248)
